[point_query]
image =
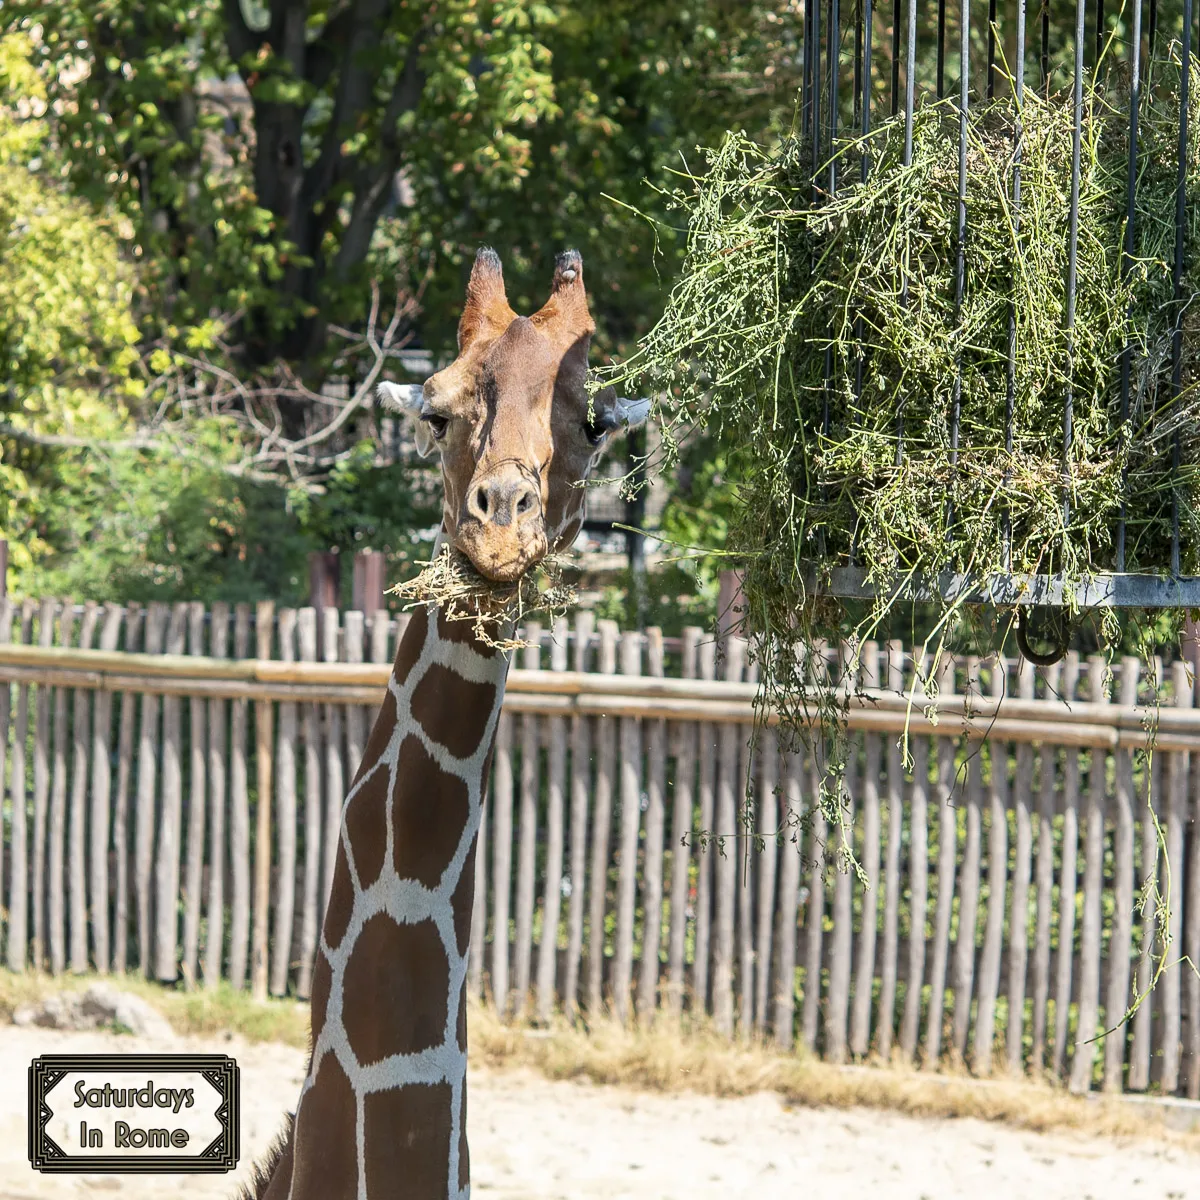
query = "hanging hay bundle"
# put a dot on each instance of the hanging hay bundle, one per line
(888, 418)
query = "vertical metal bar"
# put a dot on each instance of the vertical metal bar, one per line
(1010, 398)
(1072, 258)
(1135, 94)
(910, 79)
(857, 87)
(868, 17)
(1180, 217)
(941, 49)
(816, 92)
(909, 87)
(960, 240)
(1100, 30)
(833, 52)
(835, 46)
(991, 50)
(1152, 31)
(806, 87)
(1046, 47)
(895, 56)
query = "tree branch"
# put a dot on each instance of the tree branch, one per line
(239, 37)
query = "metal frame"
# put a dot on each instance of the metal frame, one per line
(1111, 590)
(824, 36)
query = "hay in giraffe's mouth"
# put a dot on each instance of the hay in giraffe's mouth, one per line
(451, 581)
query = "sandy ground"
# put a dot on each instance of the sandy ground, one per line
(535, 1139)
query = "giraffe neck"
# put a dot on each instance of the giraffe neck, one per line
(384, 1102)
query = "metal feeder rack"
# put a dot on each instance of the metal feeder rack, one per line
(825, 73)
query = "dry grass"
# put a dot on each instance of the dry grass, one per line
(663, 1060)
(450, 580)
(660, 1059)
(198, 1013)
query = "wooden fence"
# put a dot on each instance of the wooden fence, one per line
(173, 780)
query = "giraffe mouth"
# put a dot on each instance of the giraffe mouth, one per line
(501, 560)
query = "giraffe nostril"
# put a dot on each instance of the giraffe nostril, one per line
(481, 501)
(525, 502)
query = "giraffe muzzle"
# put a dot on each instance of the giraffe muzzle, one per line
(502, 529)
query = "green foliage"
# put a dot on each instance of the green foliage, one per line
(782, 285)
(67, 332)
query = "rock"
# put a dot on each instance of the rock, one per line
(101, 1006)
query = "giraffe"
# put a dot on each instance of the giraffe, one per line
(382, 1110)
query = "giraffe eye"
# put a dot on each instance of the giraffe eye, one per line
(437, 424)
(595, 431)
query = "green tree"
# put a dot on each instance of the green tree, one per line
(387, 134)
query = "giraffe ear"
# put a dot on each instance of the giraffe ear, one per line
(486, 303)
(408, 399)
(615, 414)
(565, 317)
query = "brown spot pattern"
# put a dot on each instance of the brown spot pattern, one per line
(341, 900)
(322, 982)
(407, 1133)
(464, 1159)
(326, 1154)
(462, 633)
(381, 734)
(472, 705)
(366, 825)
(411, 644)
(463, 899)
(398, 981)
(429, 813)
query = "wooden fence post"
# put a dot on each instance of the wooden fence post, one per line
(285, 818)
(891, 873)
(502, 804)
(580, 797)
(56, 830)
(946, 866)
(527, 832)
(1018, 952)
(170, 828)
(1068, 876)
(1047, 775)
(630, 826)
(18, 902)
(135, 623)
(77, 830)
(968, 888)
(197, 809)
(838, 1007)
(306, 628)
(726, 871)
(214, 945)
(335, 771)
(993, 936)
(864, 973)
(601, 832)
(7, 612)
(706, 794)
(1121, 936)
(239, 815)
(101, 816)
(147, 787)
(264, 714)
(556, 781)
(747, 868)
(652, 875)
(1093, 885)
(681, 833)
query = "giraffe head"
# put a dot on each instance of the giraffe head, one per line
(513, 421)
